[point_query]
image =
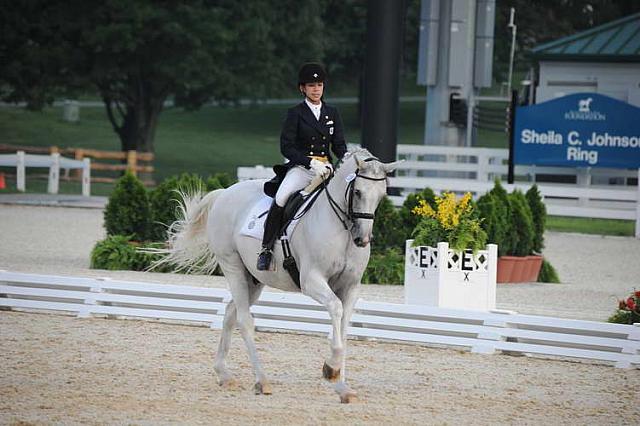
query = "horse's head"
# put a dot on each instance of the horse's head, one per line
(366, 185)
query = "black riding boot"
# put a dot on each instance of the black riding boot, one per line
(271, 229)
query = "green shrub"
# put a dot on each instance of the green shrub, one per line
(385, 268)
(127, 211)
(212, 183)
(539, 216)
(507, 239)
(495, 221)
(118, 253)
(521, 224)
(387, 228)
(407, 216)
(165, 199)
(223, 179)
(548, 273)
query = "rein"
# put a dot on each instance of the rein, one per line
(350, 215)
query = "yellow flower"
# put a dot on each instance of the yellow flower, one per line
(424, 209)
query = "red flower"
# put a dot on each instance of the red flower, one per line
(637, 293)
(631, 303)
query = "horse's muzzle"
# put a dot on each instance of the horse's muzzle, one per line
(361, 242)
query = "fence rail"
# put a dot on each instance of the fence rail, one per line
(478, 331)
(594, 193)
(101, 161)
(54, 163)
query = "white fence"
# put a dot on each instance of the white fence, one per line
(53, 162)
(443, 168)
(481, 332)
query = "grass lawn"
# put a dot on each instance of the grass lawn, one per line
(591, 226)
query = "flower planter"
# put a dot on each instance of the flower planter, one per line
(519, 273)
(535, 264)
(443, 278)
(505, 268)
(518, 269)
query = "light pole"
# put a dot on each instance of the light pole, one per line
(513, 27)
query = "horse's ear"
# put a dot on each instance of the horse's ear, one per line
(360, 163)
(389, 167)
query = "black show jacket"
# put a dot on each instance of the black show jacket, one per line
(303, 136)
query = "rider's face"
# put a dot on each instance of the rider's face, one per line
(313, 91)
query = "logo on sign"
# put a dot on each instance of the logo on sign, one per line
(584, 112)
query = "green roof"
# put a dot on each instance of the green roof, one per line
(617, 41)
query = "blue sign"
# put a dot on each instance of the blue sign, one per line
(580, 130)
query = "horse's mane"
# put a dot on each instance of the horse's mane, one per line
(358, 152)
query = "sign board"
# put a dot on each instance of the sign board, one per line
(579, 130)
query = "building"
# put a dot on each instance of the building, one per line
(604, 60)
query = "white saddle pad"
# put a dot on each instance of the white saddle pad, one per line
(254, 227)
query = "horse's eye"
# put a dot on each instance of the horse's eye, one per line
(358, 193)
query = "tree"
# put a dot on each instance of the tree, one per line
(139, 54)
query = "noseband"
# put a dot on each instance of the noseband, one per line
(351, 215)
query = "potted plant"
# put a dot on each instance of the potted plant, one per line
(515, 222)
(539, 218)
(628, 311)
(447, 264)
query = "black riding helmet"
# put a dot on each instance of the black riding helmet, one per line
(311, 72)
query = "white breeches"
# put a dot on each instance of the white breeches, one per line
(297, 178)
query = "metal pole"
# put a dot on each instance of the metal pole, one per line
(381, 74)
(512, 134)
(512, 25)
(471, 58)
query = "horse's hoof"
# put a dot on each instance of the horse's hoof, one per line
(262, 388)
(228, 382)
(348, 397)
(330, 373)
(225, 378)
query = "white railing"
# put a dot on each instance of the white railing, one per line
(478, 331)
(53, 162)
(475, 169)
(460, 169)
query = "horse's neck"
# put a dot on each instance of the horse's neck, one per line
(322, 212)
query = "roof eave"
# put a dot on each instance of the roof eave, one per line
(585, 58)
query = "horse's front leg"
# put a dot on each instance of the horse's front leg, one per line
(315, 286)
(349, 296)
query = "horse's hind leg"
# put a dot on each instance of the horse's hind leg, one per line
(244, 293)
(224, 375)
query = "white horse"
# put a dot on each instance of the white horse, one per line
(330, 245)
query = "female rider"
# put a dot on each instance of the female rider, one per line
(311, 131)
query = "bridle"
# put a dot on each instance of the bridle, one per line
(350, 215)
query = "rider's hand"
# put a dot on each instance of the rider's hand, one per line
(320, 168)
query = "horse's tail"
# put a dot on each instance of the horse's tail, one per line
(187, 245)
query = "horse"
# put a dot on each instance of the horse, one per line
(330, 244)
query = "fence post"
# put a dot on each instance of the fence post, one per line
(54, 173)
(86, 177)
(78, 155)
(583, 180)
(132, 162)
(483, 163)
(20, 184)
